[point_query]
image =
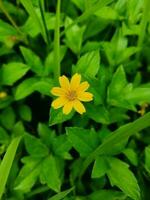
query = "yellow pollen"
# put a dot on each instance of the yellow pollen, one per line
(71, 95)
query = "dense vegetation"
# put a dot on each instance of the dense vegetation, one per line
(102, 152)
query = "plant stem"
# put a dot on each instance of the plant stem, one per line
(143, 24)
(57, 42)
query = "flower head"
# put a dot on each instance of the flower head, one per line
(70, 94)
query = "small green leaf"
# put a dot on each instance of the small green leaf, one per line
(88, 64)
(25, 112)
(101, 166)
(32, 60)
(12, 72)
(50, 173)
(120, 176)
(4, 137)
(25, 88)
(8, 118)
(28, 174)
(57, 116)
(80, 138)
(35, 147)
(73, 42)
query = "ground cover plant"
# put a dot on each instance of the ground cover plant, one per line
(74, 99)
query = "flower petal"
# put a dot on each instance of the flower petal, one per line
(75, 81)
(85, 96)
(64, 82)
(67, 107)
(57, 91)
(59, 102)
(79, 107)
(83, 86)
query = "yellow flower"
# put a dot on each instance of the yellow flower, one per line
(70, 94)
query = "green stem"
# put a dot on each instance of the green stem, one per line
(46, 33)
(57, 42)
(143, 24)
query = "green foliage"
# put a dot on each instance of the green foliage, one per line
(103, 154)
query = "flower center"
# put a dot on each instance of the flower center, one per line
(71, 95)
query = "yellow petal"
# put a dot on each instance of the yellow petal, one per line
(64, 82)
(85, 96)
(79, 107)
(67, 107)
(83, 86)
(57, 91)
(75, 81)
(59, 102)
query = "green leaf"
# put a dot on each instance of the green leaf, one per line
(6, 163)
(12, 72)
(31, 11)
(4, 137)
(73, 42)
(107, 194)
(28, 174)
(25, 88)
(88, 64)
(49, 62)
(101, 166)
(8, 118)
(120, 176)
(32, 60)
(121, 134)
(25, 113)
(147, 159)
(98, 113)
(44, 86)
(57, 116)
(131, 156)
(50, 173)
(61, 195)
(35, 147)
(80, 138)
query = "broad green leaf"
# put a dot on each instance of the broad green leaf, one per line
(72, 41)
(80, 138)
(120, 176)
(107, 194)
(6, 164)
(50, 173)
(35, 147)
(28, 174)
(32, 60)
(61, 195)
(25, 88)
(57, 116)
(25, 112)
(107, 13)
(101, 166)
(88, 64)
(12, 72)
(116, 137)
